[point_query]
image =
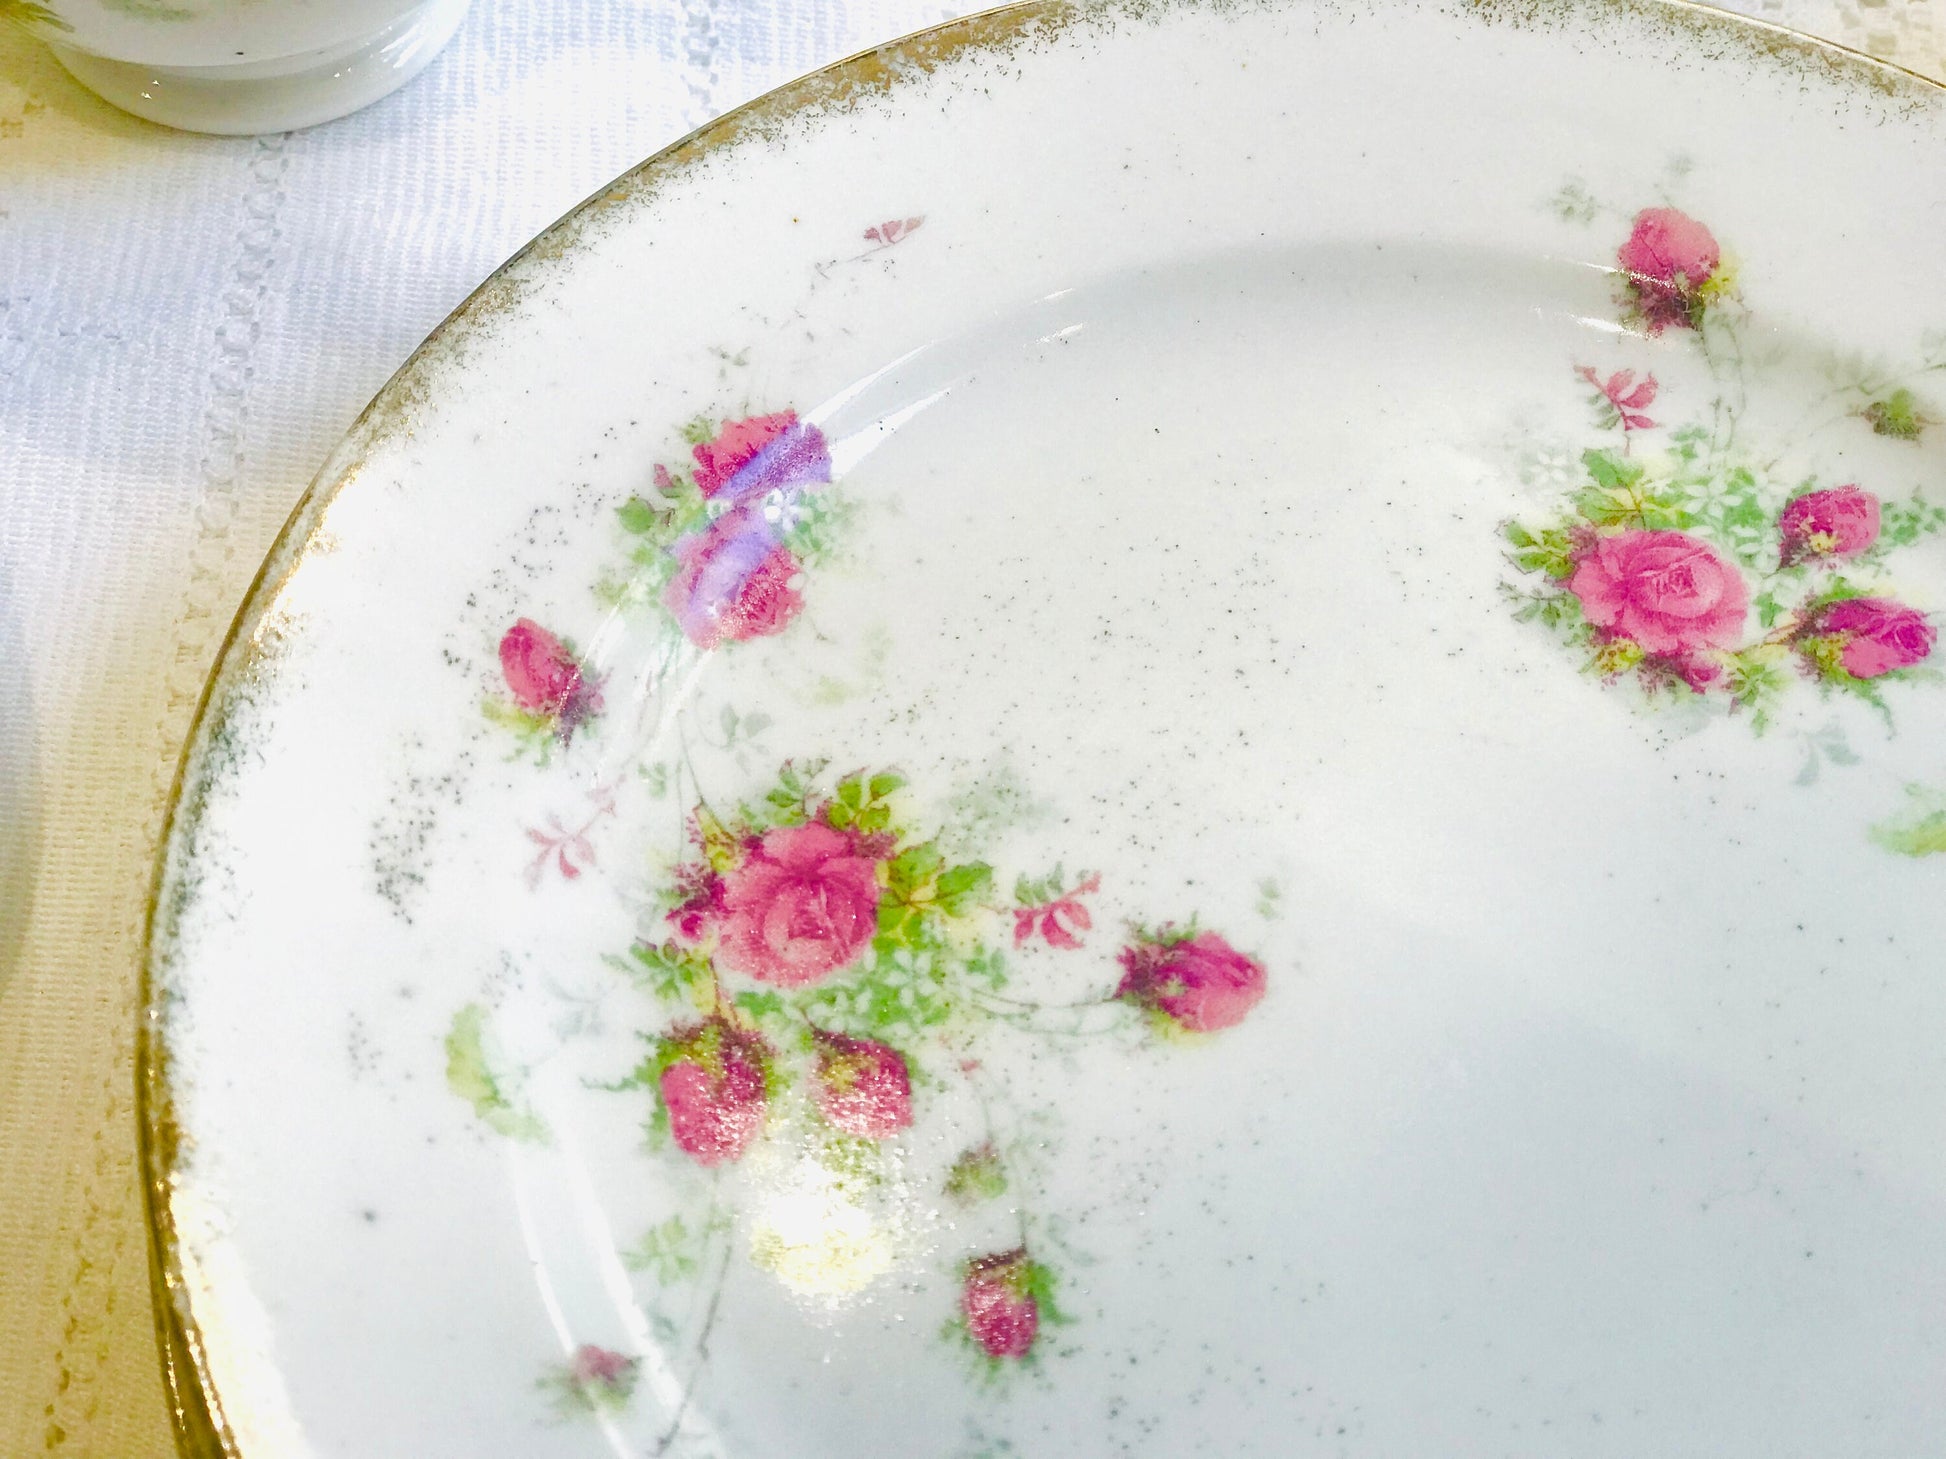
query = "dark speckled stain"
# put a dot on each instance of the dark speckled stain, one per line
(1716, 38)
(233, 720)
(403, 831)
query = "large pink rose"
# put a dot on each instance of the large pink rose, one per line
(803, 904)
(998, 1304)
(1668, 257)
(863, 1086)
(1666, 591)
(543, 675)
(761, 454)
(733, 581)
(1879, 635)
(714, 1091)
(1840, 522)
(1201, 983)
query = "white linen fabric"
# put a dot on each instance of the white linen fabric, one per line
(186, 326)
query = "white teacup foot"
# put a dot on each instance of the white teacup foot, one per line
(272, 96)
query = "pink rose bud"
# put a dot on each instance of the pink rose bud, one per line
(1668, 257)
(1666, 591)
(998, 1304)
(1698, 672)
(863, 1086)
(802, 904)
(542, 674)
(1841, 522)
(702, 902)
(601, 1365)
(714, 1091)
(1879, 635)
(1201, 983)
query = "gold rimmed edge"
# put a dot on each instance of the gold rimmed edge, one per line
(196, 1411)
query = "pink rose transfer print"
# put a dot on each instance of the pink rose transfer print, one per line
(539, 669)
(1692, 570)
(712, 1079)
(551, 696)
(735, 580)
(724, 547)
(1668, 592)
(1840, 522)
(761, 453)
(594, 1380)
(1672, 266)
(1194, 980)
(863, 1087)
(1873, 637)
(800, 904)
(820, 969)
(727, 545)
(1001, 1302)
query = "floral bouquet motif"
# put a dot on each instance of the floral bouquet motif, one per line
(824, 973)
(722, 547)
(1693, 569)
(821, 965)
(724, 544)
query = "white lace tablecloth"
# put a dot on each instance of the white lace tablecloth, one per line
(186, 326)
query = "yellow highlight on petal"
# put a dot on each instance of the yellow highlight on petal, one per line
(818, 1242)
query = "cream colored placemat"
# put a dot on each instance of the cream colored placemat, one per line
(186, 325)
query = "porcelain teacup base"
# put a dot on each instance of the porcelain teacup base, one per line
(272, 96)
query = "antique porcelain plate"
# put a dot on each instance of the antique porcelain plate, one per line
(1172, 729)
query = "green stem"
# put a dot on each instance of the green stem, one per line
(702, 1347)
